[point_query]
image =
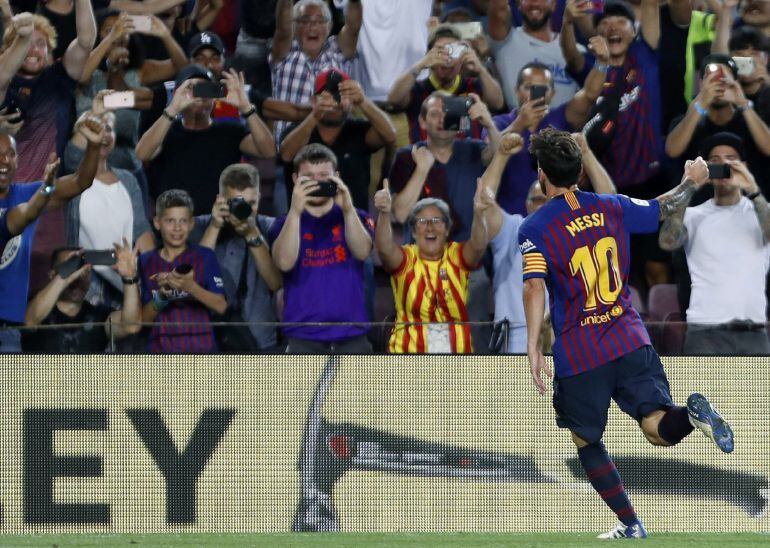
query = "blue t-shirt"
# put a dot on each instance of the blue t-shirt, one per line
(579, 243)
(521, 170)
(637, 147)
(4, 234)
(327, 281)
(15, 259)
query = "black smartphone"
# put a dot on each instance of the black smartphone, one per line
(209, 90)
(537, 92)
(333, 85)
(183, 268)
(66, 268)
(719, 171)
(455, 109)
(105, 257)
(326, 189)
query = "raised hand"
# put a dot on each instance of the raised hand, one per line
(125, 259)
(183, 98)
(322, 104)
(24, 24)
(236, 90)
(383, 200)
(343, 197)
(220, 212)
(697, 171)
(10, 122)
(300, 195)
(351, 91)
(598, 46)
(743, 177)
(479, 111)
(483, 199)
(51, 169)
(423, 157)
(510, 143)
(92, 128)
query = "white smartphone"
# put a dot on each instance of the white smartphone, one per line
(119, 99)
(142, 23)
(468, 31)
(745, 65)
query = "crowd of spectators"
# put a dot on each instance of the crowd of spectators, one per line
(277, 175)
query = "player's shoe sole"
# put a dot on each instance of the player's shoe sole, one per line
(704, 417)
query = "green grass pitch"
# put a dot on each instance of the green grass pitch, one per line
(366, 540)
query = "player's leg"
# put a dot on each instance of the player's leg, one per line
(581, 404)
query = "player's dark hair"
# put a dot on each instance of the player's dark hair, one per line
(747, 37)
(173, 198)
(558, 155)
(314, 153)
(537, 65)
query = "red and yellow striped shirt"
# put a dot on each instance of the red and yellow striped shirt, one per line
(430, 291)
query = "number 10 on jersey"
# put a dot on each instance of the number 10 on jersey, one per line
(599, 268)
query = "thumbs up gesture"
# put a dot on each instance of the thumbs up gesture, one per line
(382, 198)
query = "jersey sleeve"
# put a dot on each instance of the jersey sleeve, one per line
(145, 284)
(213, 274)
(534, 264)
(639, 216)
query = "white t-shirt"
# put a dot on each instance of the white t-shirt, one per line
(393, 37)
(518, 49)
(106, 217)
(728, 260)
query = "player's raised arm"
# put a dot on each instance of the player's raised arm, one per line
(696, 174)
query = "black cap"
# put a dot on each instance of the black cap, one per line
(205, 39)
(722, 138)
(615, 8)
(719, 59)
(193, 71)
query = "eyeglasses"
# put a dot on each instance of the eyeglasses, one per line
(308, 22)
(422, 222)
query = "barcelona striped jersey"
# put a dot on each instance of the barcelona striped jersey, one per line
(430, 291)
(579, 243)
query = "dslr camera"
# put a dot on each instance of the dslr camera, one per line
(239, 208)
(455, 109)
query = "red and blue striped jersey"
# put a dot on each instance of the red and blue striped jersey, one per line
(183, 326)
(579, 242)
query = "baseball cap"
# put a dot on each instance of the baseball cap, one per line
(321, 79)
(615, 8)
(205, 39)
(725, 138)
(193, 71)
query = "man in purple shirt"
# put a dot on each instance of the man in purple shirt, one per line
(320, 246)
(534, 92)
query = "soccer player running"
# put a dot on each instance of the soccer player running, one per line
(578, 243)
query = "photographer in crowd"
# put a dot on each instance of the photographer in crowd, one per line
(726, 244)
(236, 232)
(446, 57)
(320, 245)
(176, 146)
(63, 301)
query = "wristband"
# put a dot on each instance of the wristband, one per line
(252, 110)
(256, 241)
(601, 67)
(167, 115)
(754, 195)
(749, 104)
(130, 281)
(699, 109)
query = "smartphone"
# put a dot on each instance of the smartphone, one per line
(183, 268)
(719, 171)
(597, 6)
(537, 92)
(456, 50)
(326, 189)
(103, 257)
(141, 23)
(209, 90)
(119, 99)
(745, 65)
(68, 267)
(455, 109)
(468, 31)
(715, 68)
(333, 85)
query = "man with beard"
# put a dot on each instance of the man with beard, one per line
(720, 106)
(728, 307)
(352, 141)
(62, 301)
(514, 47)
(446, 58)
(756, 13)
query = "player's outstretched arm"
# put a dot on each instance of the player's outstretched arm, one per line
(696, 174)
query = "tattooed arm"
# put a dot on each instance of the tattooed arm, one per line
(749, 185)
(696, 174)
(673, 233)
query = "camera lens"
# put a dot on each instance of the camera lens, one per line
(239, 208)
